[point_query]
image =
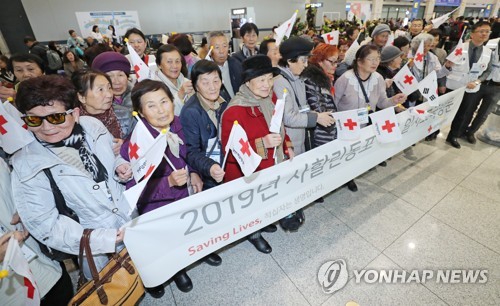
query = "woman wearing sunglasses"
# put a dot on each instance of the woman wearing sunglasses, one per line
(77, 151)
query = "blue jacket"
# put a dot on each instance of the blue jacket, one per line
(198, 129)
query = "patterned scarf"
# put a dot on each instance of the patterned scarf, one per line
(90, 161)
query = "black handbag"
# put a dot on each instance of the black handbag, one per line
(63, 210)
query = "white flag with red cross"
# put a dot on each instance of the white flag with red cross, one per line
(285, 29)
(457, 56)
(331, 38)
(428, 87)
(390, 40)
(347, 123)
(418, 112)
(13, 133)
(405, 80)
(419, 56)
(141, 69)
(242, 151)
(144, 151)
(385, 125)
(277, 118)
(14, 260)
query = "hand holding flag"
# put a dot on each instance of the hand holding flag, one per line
(242, 151)
(141, 69)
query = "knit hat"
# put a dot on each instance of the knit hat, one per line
(295, 47)
(389, 53)
(257, 65)
(381, 28)
(110, 61)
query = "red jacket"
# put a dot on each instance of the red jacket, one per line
(255, 127)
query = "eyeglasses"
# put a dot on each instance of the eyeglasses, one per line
(483, 32)
(56, 119)
(373, 60)
(334, 63)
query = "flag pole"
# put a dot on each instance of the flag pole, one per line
(227, 147)
(207, 57)
(274, 153)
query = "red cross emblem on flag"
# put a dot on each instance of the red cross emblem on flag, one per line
(133, 148)
(245, 147)
(458, 51)
(31, 289)
(329, 38)
(408, 79)
(420, 111)
(388, 126)
(3, 121)
(419, 57)
(137, 68)
(350, 124)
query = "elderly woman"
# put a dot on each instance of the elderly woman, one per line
(170, 71)
(76, 153)
(24, 66)
(96, 98)
(318, 78)
(72, 63)
(117, 67)
(252, 107)
(363, 87)
(297, 115)
(154, 103)
(431, 63)
(390, 64)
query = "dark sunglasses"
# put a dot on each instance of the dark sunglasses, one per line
(35, 121)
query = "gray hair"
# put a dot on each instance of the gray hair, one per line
(215, 34)
(415, 42)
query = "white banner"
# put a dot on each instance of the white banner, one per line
(172, 237)
(121, 20)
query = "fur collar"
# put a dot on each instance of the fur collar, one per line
(316, 75)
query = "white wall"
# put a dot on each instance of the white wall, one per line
(51, 19)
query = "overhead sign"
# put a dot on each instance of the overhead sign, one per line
(314, 5)
(239, 11)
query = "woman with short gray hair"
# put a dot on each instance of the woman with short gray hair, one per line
(430, 63)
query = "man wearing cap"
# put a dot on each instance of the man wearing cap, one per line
(379, 37)
(117, 67)
(297, 116)
(390, 63)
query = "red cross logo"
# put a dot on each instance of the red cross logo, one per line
(388, 126)
(150, 170)
(408, 79)
(419, 57)
(3, 121)
(137, 68)
(329, 38)
(30, 287)
(133, 148)
(420, 111)
(430, 128)
(245, 147)
(458, 51)
(350, 124)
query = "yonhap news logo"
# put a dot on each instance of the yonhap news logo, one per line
(333, 276)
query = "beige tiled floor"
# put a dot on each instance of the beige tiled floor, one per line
(434, 207)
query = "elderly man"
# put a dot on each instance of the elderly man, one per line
(473, 71)
(230, 67)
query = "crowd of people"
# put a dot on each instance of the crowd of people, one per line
(83, 120)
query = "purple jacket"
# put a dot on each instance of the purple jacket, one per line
(158, 192)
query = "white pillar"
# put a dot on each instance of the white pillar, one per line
(461, 9)
(495, 8)
(429, 9)
(377, 9)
